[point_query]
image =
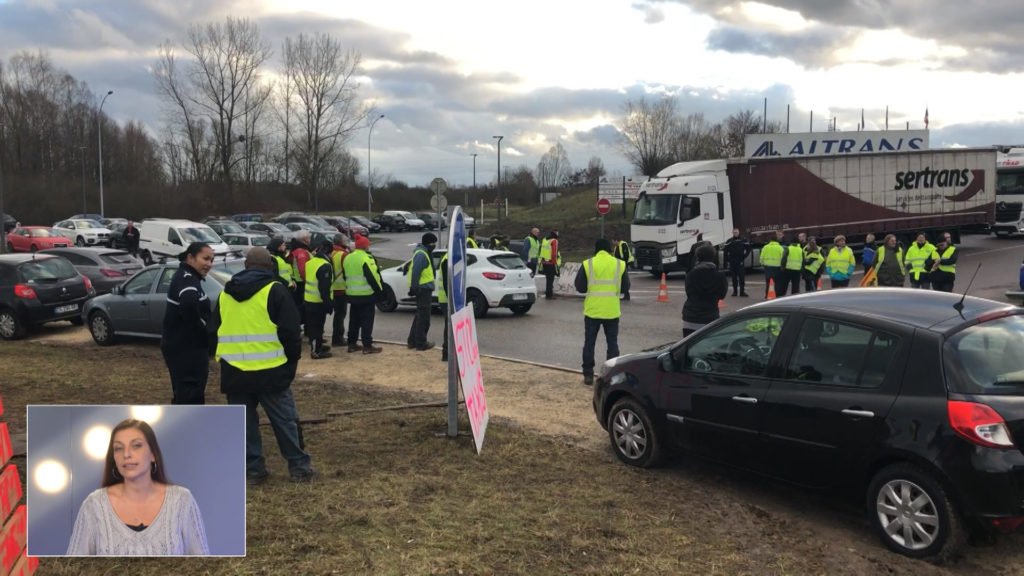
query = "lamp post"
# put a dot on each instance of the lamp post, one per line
(499, 172)
(84, 210)
(369, 172)
(466, 198)
(99, 134)
(3, 215)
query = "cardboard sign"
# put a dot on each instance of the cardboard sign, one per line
(468, 353)
(10, 491)
(12, 541)
(6, 447)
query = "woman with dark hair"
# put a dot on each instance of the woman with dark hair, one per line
(137, 512)
(705, 286)
(185, 341)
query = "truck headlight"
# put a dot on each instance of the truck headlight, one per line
(668, 252)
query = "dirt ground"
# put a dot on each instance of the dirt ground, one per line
(546, 496)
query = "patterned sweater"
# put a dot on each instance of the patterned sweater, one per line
(177, 529)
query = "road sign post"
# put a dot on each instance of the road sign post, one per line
(438, 201)
(604, 206)
(456, 291)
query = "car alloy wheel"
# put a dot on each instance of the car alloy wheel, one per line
(79, 242)
(11, 327)
(912, 514)
(99, 327)
(632, 436)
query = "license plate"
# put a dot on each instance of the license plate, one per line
(520, 296)
(63, 309)
(647, 267)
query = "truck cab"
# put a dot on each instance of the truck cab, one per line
(1009, 192)
(682, 206)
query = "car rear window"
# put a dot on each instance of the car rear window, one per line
(47, 270)
(43, 233)
(117, 258)
(987, 358)
(507, 261)
(260, 240)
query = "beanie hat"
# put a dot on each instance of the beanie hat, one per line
(428, 238)
(362, 242)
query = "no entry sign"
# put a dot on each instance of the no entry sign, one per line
(604, 206)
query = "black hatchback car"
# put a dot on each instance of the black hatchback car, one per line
(909, 401)
(39, 288)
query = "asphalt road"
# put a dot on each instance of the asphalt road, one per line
(552, 333)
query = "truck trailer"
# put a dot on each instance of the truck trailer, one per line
(902, 193)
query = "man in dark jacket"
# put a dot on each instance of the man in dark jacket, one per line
(254, 300)
(131, 238)
(421, 278)
(319, 299)
(737, 249)
(362, 289)
(705, 286)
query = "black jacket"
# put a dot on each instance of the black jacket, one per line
(736, 251)
(282, 312)
(188, 313)
(705, 286)
(131, 237)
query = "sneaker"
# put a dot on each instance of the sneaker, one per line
(256, 479)
(625, 296)
(325, 348)
(372, 349)
(425, 346)
(410, 345)
(305, 476)
(588, 380)
(354, 348)
(320, 355)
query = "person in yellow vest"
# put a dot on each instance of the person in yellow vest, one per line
(889, 269)
(813, 265)
(471, 239)
(550, 262)
(839, 263)
(792, 268)
(362, 289)
(943, 274)
(920, 257)
(338, 253)
(602, 278)
(771, 261)
(420, 277)
(442, 299)
(531, 250)
(624, 253)
(283, 269)
(259, 344)
(318, 299)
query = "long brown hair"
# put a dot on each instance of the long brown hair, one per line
(110, 474)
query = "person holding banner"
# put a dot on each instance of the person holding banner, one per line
(888, 269)
(602, 278)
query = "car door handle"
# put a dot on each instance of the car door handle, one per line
(745, 399)
(859, 413)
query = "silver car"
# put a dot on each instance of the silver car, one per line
(106, 268)
(136, 308)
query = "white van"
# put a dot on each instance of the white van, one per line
(159, 238)
(413, 221)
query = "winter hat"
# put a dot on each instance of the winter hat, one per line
(362, 243)
(428, 238)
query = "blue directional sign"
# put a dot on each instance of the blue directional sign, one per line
(457, 260)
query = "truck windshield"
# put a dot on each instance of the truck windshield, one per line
(656, 210)
(1008, 182)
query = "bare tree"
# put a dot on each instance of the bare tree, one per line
(322, 74)
(648, 131)
(554, 167)
(186, 128)
(595, 170)
(228, 58)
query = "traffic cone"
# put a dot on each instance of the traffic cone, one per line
(819, 283)
(663, 290)
(721, 303)
(771, 289)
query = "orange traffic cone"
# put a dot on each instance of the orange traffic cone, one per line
(721, 304)
(663, 290)
(771, 289)
(819, 283)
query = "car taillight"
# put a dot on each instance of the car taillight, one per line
(1008, 524)
(24, 291)
(88, 284)
(494, 275)
(109, 273)
(979, 423)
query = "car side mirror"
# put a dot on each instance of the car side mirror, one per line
(119, 290)
(666, 363)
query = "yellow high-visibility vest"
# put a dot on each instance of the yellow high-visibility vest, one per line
(312, 294)
(284, 270)
(917, 256)
(813, 261)
(427, 274)
(247, 338)
(470, 243)
(339, 277)
(880, 257)
(794, 257)
(948, 253)
(545, 252)
(442, 294)
(534, 248)
(604, 284)
(354, 279)
(771, 255)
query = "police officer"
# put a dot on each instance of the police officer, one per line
(792, 266)
(259, 344)
(943, 274)
(362, 288)
(624, 253)
(920, 257)
(771, 261)
(185, 338)
(420, 276)
(602, 278)
(318, 299)
(338, 253)
(531, 250)
(737, 249)
(550, 262)
(279, 252)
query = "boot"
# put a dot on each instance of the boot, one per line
(371, 349)
(317, 351)
(354, 348)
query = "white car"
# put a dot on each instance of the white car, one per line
(243, 241)
(495, 279)
(165, 238)
(83, 232)
(413, 221)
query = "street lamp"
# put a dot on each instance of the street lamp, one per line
(3, 215)
(466, 199)
(84, 210)
(499, 172)
(369, 172)
(99, 134)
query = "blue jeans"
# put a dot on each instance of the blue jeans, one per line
(284, 419)
(611, 336)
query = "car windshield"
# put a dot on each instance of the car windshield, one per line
(658, 210)
(988, 358)
(42, 233)
(47, 270)
(83, 224)
(1009, 182)
(117, 258)
(507, 261)
(231, 227)
(197, 234)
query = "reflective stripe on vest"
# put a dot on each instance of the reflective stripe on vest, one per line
(354, 279)
(622, 250)
(814, 261)
(839, 263)
(337, 257)
(794, 257)
(247, 338)
(442, 294)
(426, 275)
(916, 257)
(284, 269)
(470, 243)
(948, 253)
(604, 283)
(771, 255)
(312, 284)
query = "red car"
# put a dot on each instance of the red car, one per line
(32, 238)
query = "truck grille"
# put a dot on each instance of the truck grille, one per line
(1008, 211)
(648, 256)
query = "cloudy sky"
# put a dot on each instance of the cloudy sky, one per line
(450, 74)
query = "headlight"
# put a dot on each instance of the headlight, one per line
(667, 252)
(619, 378)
